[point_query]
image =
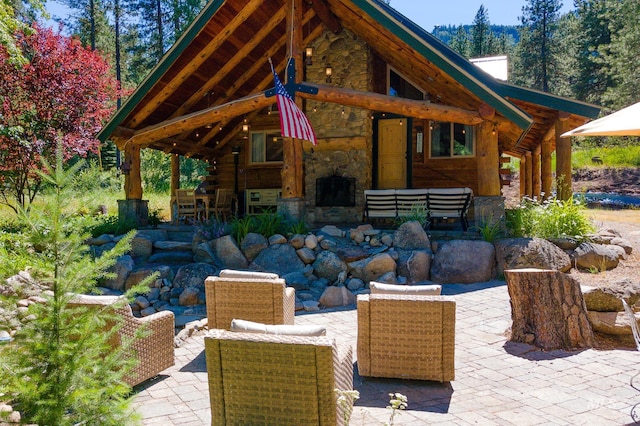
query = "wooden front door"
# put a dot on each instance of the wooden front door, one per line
(392, 153)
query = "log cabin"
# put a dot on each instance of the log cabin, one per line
(390, 104)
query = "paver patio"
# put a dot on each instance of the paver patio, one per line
(497, 382)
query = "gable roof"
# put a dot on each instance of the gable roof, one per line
(222, 57)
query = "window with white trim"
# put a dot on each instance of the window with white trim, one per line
(448, 140)
(265, 147)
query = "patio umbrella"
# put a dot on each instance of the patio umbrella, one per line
(625, 122)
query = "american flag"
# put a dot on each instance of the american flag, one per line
(293, 122)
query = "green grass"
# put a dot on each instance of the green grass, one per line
(619, 156)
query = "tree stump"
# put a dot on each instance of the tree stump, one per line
(548, 310)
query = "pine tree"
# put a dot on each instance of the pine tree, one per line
(460, 42)
(537, 53)
(482, 39)
(61, 369)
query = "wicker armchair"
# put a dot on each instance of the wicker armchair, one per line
(251, 296)
(276, 379)
(154, 350)
(406, 336)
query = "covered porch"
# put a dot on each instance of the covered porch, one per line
(392, 107)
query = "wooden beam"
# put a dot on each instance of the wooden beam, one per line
(546, 149)
(327, 17)
(173, 85)
(529, 175)
(392, 104)
(201, 118)
(523, 174)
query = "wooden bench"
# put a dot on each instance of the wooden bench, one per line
(440, 203)
(445, 203)
(393, 203)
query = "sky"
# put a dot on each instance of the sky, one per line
(429, 13)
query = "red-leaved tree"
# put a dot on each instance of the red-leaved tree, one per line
(61, 95)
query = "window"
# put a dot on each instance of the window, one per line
(403, 88)
(450, 140)
(266, 146)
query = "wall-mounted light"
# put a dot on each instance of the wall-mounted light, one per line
(308, 56)
(328, 71)
(245, 127)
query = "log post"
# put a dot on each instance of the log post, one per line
(529, 175)
(523, 178)
(548, 310)
(487, 156)
(563, 161)
(132, 177)
(535, 165)
(545, 163)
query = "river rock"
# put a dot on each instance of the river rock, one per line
(136, 276)
(336, 296)
(538, 253)
(277, 239)
(297, 241)
(191, 296)
(311, 241)
(329, 265)
(307, 255)
(621, 242)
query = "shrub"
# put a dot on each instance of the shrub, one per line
(552, 218)
(240, 227)
(417, 213)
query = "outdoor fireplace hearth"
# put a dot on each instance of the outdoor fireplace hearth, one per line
(335, 191)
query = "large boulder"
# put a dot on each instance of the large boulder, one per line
(141, 246)
(613, 323)
(598, 257)
(329, 265)
(606, 298)
(415, 265)
(411, 236)
(227, 251)
(139, 274)
(193, 275)
(252, 244)
(538, 253)
(123, 267)
(464, 262)
(336, 296)
(371, 268)
(280, 259)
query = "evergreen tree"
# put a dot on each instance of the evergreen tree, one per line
(460, 42)
(537, 53)
(623, 54)
(595, 23)
(482, 39)
(61, 369)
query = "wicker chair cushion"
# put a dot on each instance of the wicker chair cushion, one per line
(417, 290)
(231, 273)
(283, 330)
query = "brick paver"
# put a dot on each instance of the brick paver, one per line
(497, 382)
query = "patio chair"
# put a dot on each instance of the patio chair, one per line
(154, 350)
(224, 199)
(186, 203)
(276, 379)
(406, 336)
(253, 296)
